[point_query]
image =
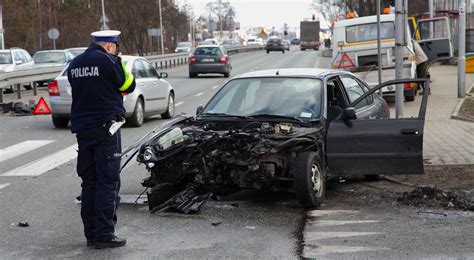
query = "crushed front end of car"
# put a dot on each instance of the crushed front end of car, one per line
(191, 160)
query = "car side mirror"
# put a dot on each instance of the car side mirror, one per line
(349, 114)
(18, 62)
(163, 75)
(199, 109)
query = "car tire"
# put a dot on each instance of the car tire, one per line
(60, 122)
(268, 52)
(226, 74)
(192, 75)
(309, 179)
(170, 109)
(283, 51)
(138, 117)
(302, 49)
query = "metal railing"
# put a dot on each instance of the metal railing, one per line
(32, 76)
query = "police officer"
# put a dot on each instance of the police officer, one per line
(98, 78)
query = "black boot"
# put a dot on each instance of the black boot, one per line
(114, 242)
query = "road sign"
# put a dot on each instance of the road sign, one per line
(345, 62)
(42, 108)
(154, 32)
(53, 33)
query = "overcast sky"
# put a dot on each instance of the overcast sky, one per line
(267, 13)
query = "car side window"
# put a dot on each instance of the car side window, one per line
(139, 70)
(27, 56)
(370, 98)
(151, 71)
(18, 56)
(354, 91)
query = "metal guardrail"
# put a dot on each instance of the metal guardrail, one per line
(32, 76)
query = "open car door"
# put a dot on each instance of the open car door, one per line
(435, 38)
(377, 146)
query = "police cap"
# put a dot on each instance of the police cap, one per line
(106, 36)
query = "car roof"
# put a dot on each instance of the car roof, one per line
(364, 20)
(50, 51)
(207, 45)
(293, 72)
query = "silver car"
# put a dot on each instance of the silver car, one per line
(152, 96)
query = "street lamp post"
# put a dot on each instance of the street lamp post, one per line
(103, 16)
(161, 29)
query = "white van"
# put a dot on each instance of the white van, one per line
(355, 48)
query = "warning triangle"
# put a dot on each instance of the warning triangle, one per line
(345, 62)
(42, 108)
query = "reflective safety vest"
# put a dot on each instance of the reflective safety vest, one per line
(386, 10)
(350, 15)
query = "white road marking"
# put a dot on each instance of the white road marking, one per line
(325, 235)
(314, 251)
(45, 164)
(320, 213)
(199, 94)
(330, 223)
(179, 104)
(2, 186)
(216, 86)
(21, 148)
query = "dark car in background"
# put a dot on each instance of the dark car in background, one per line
(275, 44)
(295, 41)
(280, 129)
(209, 59)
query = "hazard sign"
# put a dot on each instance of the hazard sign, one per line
(345, 62)
(42, 108)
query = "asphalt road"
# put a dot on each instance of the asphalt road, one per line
(247, 225)
(353, 224)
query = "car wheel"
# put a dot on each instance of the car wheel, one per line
(170, 110)
(60, 122)
(268, 52)
(283, 51)
(310, 179)
(138, 114)
(192, 75)
(227, 74)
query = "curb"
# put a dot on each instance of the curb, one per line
(455, 114)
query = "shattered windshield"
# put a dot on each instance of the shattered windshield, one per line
(289, 97)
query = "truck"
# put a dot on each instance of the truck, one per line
(309, 35)
(355, 48)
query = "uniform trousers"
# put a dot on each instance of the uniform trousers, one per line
(98, 165)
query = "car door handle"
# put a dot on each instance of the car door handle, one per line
(410, 132)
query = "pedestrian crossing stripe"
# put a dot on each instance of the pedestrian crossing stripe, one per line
(22, 148)
(315, 251)
(45, 164)
(4, 185)
(309, 236)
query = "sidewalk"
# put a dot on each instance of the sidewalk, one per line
(447, 141)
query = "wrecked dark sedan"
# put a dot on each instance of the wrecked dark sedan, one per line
(286, 129)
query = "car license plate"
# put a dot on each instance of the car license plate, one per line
(207, 60)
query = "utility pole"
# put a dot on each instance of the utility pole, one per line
(2, 43)
(379, 45)
(462, 50)
(104, 26)
(399, 35)
(161, 29)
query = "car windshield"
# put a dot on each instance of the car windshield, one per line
(49, 57)
(368, 32)
(184, 44)
(288, 97)
(207, 51)
(5, 58)
(274, 40)
(227, 42)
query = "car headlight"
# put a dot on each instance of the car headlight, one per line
(147, 154)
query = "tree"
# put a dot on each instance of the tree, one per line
(330, 10)
(223, 11)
